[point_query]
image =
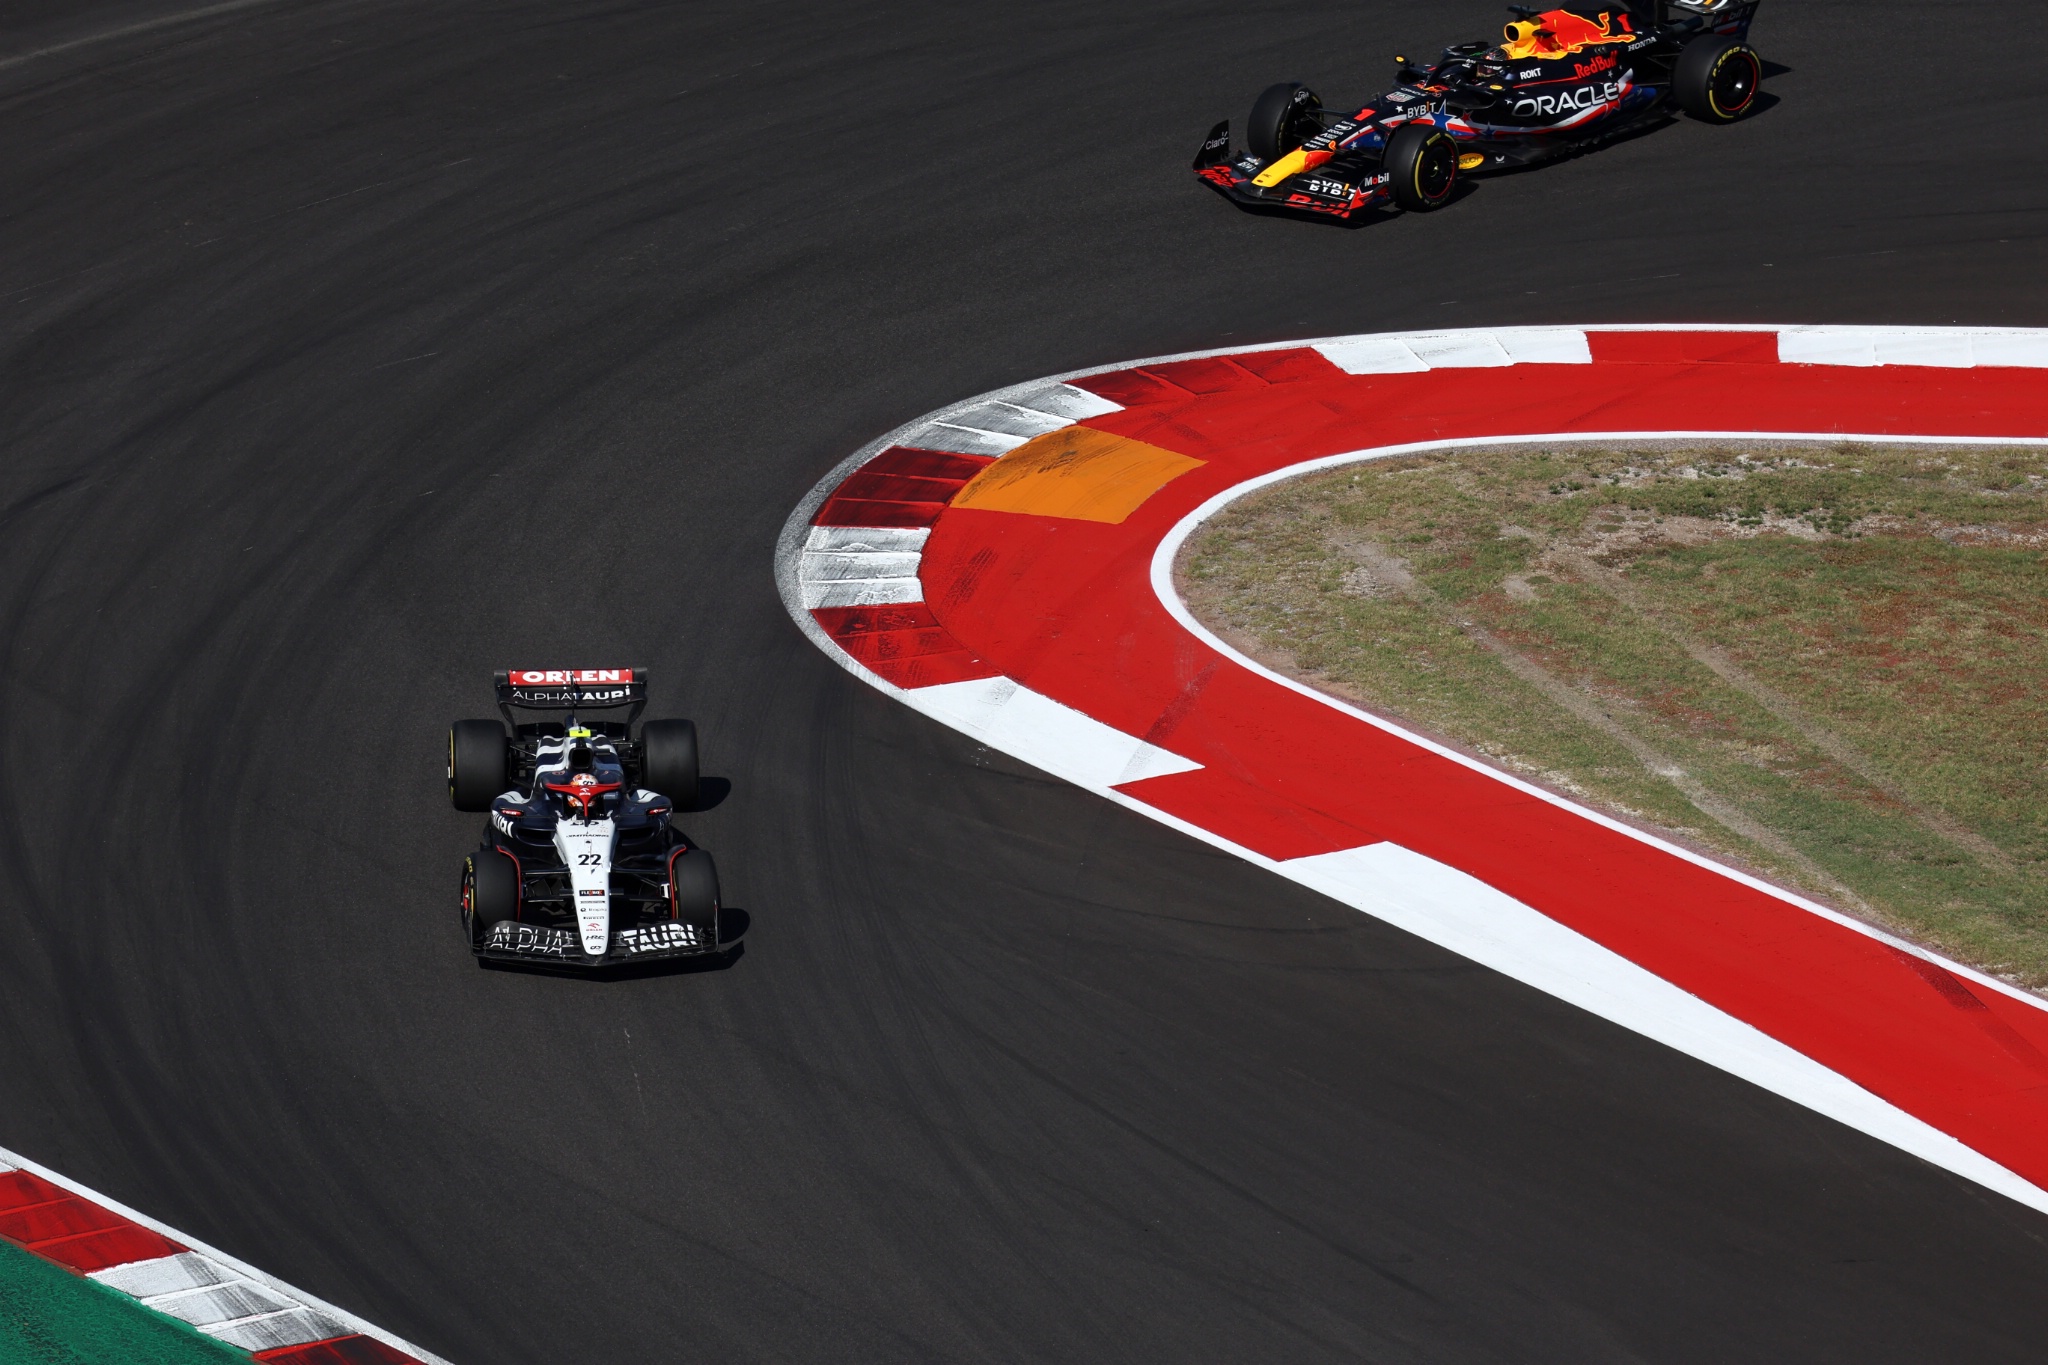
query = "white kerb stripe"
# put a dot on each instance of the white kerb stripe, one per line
(861, 566)
(189, 1286)
(1372, 355)
(1025, 724)
(1545, 345)
(878, 539)
(1463, 914)
(292, 1327)
(1943, 347)
(199, 1290)
(1407, 353)
(164, 1275)
(1009, 419)
(960, 439)
(1066, 401)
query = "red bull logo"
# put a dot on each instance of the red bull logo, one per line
(1560, 33)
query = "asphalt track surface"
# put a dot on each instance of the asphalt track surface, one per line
(349, 351)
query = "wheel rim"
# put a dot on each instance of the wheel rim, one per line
(1734, 84)
(1436, 169)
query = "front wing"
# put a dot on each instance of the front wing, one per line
(515, 941)
(1331, 190)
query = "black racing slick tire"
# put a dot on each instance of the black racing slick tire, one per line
(1422, 167)
(479, 763)
(693, 896)
(668, 760)
(693, 887)
(1279, 114)
(490, 891)
(1717, 78)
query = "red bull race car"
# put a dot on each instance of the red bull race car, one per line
(580, 865)
(1557, 83)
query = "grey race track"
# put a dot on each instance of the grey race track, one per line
(351, 350)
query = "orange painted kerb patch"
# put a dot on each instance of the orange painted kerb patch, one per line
(1076, 472)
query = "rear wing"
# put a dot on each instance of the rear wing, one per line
(1705, 16)
(571, 689)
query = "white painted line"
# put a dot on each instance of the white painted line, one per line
(1163, 589)
(1024, 724)
(1392, 883)
(1460, 351)
(308, 1312)
(1409, 352)
(2016, 350)
(1453, 910)
(1944, 347)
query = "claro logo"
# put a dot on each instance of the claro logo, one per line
(1585, 97)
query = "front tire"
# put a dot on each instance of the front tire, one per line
(693, 886)
(479, 763)
(1422, 167)
(668, 760)
(1717, 78)
(1278, 115)
(490, 892)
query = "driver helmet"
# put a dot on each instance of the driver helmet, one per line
(580, 792)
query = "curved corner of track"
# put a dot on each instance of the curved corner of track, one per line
(1004, 566)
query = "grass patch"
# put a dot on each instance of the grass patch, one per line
(1821, 662)
(49, 1316)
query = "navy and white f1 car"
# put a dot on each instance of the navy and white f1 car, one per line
(580, 865)
(1557, 83)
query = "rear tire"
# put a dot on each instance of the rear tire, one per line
(1422, 167)
(668, 760)
(479, 763)
(1717, 78)
(1275, 127)
(490, 892)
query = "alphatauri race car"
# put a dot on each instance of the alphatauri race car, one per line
(580, 865)
(1558, 82)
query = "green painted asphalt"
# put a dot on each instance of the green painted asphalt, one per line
(49, 1316)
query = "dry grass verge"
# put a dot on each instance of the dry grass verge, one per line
(1824, 663)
